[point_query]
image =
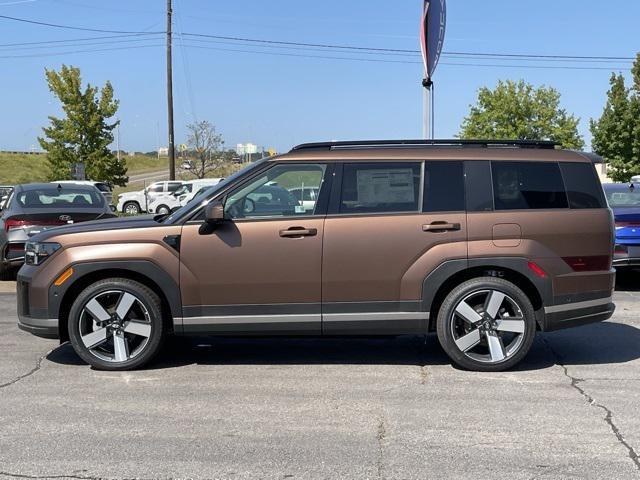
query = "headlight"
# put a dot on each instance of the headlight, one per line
(36, 253)
(182, 197)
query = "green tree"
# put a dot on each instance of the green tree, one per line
(616, 134)
(518, 110)
(84, 134)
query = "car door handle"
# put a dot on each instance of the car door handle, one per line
(440, 227)
(299, 232)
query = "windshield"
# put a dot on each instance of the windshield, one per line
(623, 197)
(59, 198)
(211, 191)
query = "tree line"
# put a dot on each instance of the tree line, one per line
(512, 110)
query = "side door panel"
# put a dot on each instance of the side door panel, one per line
(374, 265)
(259, 271)
(245, 277)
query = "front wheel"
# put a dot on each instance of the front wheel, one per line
(486, 324)
(116, 324)
(131, 208)
(163, 210)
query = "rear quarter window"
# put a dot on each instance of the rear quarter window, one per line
(584, 189)
(528, 185)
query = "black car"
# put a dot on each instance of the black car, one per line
(35, 207)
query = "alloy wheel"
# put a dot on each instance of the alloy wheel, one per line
(131, 209)
(115, 326)
(488, 326)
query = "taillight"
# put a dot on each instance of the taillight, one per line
(589, 263)
(11, 223)
(627, 224)
(620, 249)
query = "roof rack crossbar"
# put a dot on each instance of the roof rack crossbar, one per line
(546, 144)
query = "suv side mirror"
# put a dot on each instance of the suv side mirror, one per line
(214, 212)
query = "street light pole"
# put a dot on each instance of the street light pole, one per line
(172, 157)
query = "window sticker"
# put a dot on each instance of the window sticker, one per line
(385, 186)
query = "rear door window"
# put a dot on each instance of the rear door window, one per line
(443, 187)
(527, 185)
(380, 187)
(173, 186)
(584, 189)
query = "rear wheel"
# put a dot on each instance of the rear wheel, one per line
(116, 324)
(131, 208)
(486, 324)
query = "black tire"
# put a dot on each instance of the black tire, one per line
(7, 274)
(163, 210)
(131, 208)
(151, 305)
(450, 323)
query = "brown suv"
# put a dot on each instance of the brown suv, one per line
(483, 242)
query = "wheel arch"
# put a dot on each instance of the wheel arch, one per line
(127, 202)
(144, 272)
(448, 275)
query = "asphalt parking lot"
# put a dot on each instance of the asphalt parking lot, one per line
(294, 408)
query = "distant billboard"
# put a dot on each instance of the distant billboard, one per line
(432, 29)
(246, 148)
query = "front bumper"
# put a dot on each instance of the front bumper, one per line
(32, 320)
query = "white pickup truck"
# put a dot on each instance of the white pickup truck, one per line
(133, 203)
(164, 203)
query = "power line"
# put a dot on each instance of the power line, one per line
(378, 60)
(67, 27)
(80, 51)
(301, 44)
(361, 49)
(45, 42)
(83, 44)
(395, 50)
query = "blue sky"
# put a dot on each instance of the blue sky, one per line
(281, 100)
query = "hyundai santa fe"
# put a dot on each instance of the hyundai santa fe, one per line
(485, 243)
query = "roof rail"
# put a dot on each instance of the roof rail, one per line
(546, 144)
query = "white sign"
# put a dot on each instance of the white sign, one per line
(385, 186)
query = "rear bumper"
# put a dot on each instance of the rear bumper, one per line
(32, 320)
(626, 255)
(575, 314)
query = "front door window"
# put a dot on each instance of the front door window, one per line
(282, 191)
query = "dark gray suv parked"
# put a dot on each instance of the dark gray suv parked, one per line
(36, 207)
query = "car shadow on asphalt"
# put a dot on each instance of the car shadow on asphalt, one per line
(601, 343)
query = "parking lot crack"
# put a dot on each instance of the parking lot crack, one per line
(29, 373)
(608, 418)
(381, 435)
(424, 374)
(37, 477)
(72, 476)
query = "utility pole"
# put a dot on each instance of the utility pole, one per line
(172, 157)
(118, 139)
(427, 124)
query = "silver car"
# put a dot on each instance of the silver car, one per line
(35, 207)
